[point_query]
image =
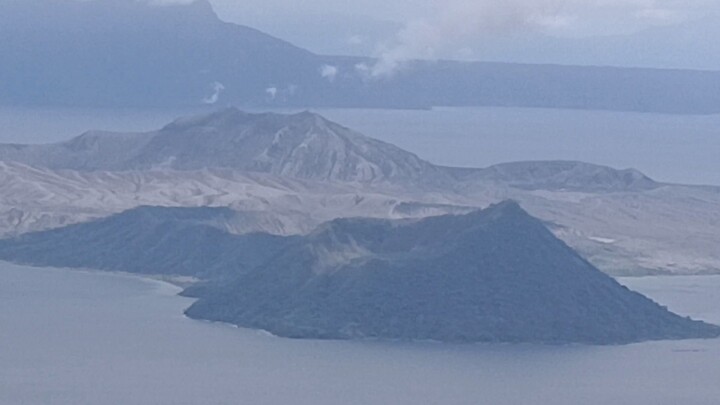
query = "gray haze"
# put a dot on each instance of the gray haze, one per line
(654, 33)
(81, 338)
(646, 33)
(145, 55)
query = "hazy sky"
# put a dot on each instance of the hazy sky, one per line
(459, 29)
(642, 33)
(563, 15)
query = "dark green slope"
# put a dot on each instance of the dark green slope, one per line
(491, 276)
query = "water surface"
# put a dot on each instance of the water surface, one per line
(71, 337)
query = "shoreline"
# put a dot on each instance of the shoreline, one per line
(167, 285)
(173, 285)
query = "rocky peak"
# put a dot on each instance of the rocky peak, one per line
(302, 145)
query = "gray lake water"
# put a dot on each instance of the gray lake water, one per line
(672, 148)
(73, 337)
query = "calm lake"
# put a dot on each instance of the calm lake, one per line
(73, 337)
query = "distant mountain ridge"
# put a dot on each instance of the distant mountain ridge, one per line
(303, 145)
(128, 53)
(135, 53)
(496, 275)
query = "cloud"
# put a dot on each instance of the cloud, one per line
(329, 72)
(280, 95)
(356, 40)
(271, 92)
(661, 15)
(458, 23)
(364, 71)
(213, 98)
(166, 2)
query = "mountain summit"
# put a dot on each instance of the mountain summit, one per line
(303, 145)
(496, 275)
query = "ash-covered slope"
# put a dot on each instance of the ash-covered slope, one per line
(89, 151)
(306, 146)
(670, 229)
(303, 145)
(496, 275)
(149, 240)
(293, 172)
(563, 176)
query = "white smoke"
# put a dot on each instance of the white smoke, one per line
(356, 40)
(213, 98)
(166, 2)
(271, 92)
(329, 72)
(280, 95)
(459, 22)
